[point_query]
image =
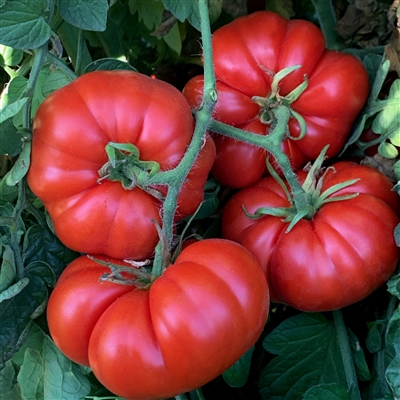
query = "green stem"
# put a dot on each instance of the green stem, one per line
(347, 356)
(203, 119)
(61, 66)
(271, 143)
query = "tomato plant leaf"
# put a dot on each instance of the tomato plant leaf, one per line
(327, 20)
(330, 391)
(150, 12)
(16, 314)
(110, 64)
(7, 269)
(12, 109)
(308, 354)
(237, 374)
(183, 9)
(24, 23)
(45, 373)
(8, 382)
(394, 282)
(90, 15)
(12, 139)
(393, 342)
(41, 244)
(9, 56)
(21, 166)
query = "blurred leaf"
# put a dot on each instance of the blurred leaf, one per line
(308, 354)
(90, 15)
(374, 338)
(394, 282)
(183, 10)
(284, 8)
(21, 166)
(10, 56)
(69, 39)
(393, 341)
(24, 23)
(10, 110)
(12, 140)
(150, 12)
(110, 64)
(8, 383)
(327, 21)
(7, 269)
(330, 391)
(360, 364)
(387, 150)
(237, 374)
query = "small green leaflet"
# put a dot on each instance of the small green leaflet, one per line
(109, 64)
(24, 23)
(183, 9)
(237, 374)
(90, 15)
(10, 56)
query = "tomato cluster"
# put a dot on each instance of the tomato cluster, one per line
(99, 142)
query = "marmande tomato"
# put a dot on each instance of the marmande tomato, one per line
(71, 129)
(337, 257)
(248, 52)
(203, 313)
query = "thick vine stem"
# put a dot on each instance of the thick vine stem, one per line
(347, 356)
(203, 119)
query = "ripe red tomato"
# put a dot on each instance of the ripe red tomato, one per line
(203, 313)
(266, 43)
(70, 132)
(337, 257)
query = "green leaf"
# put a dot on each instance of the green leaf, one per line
(7, 269)
(237, 374)
(7, 193)
(8, 383)
(90, 15)
(331, 391)
(109, 64)
(387, 150)
(10, 110)
(12, 140)
(24, 23)
(374, 338)
(173, 39)
(16, 312)
(394, 282)
(211, 200)
(10, 56)
(308, 354)
(21, 166)
(393, 341)
(183, 9)
(360, 364)
(45, 373)
(40, 244)
(150, 12)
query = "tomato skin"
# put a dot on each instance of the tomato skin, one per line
(337, 90)
(320, 264)
(70, 131)
(197, 319)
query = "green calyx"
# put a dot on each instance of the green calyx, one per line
(275, 100)
(124, 165)
(312, 186)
